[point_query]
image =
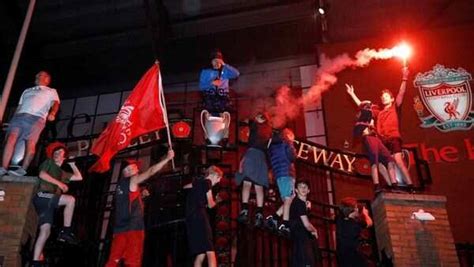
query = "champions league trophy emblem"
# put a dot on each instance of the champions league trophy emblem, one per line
(215, 127)
(446, 94)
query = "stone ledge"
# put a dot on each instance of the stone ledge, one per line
(396, 198)
(19, 179)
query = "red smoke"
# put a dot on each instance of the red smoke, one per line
(288, 107)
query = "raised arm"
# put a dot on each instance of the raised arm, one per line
(403, 87)
(350, 91)
(76, 174)
(229, 72)
(137, 179)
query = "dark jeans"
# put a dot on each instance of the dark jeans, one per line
(216, 101)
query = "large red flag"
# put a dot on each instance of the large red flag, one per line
(141, 113)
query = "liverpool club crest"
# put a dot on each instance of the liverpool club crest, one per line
(447, 95)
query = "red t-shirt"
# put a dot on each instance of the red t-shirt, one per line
(387, 122)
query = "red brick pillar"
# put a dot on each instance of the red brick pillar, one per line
(411, 242)
(18, 220)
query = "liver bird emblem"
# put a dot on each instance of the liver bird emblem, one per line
(451, 109)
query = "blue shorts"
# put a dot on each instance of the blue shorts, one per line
(286, 186)
(28, 127)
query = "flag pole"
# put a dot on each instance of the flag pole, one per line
(163, 108)
(16, 57)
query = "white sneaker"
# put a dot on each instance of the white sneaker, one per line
(3, 171)
(17, 172)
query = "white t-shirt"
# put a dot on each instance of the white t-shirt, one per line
(37, 101)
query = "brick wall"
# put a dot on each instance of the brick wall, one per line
(17, 218)
(411, 242)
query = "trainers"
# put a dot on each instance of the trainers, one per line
(258, 220)
(17, 171)
(271, 223)
(3, 171)
(243, 216)
(284, 230)
(69, 238)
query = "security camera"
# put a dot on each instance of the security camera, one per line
(421, 215)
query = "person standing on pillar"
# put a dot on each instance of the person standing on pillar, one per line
(388, 124)
(129, 228)
(375, 150)
(37, 104)
(214, 84)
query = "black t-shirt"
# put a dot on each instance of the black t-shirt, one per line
(297, 228)
(128, 208)
(197, 200)
(348, 233)
(259, 135)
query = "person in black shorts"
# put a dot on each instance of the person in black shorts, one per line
(49, 196)
(198, 228)
(303, 233)
(350, 222)
(374, 148)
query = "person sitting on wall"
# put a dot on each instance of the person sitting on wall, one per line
(198, 227)
(129, 228)
(37, 104)
(282, 154)
(351, 220)
(253, 167)
(214, 84)
(374, 148)
(303, 233)
(52, 185)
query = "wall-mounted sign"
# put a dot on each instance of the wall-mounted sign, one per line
(322, 155)
(447, 96)
(81, 148)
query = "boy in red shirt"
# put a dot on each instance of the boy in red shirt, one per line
(388, 124)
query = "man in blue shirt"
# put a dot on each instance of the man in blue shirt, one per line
(214, 84)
